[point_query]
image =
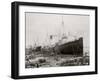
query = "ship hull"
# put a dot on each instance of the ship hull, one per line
(71, 48)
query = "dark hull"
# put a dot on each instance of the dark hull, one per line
(71, 48)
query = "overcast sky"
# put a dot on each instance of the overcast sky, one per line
(39, 26)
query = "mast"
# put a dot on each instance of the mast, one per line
(63, 23)
(63, 30)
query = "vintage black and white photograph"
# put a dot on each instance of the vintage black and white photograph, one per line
(56, 40)
(51, 40)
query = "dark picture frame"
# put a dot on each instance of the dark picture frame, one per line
(15, 39)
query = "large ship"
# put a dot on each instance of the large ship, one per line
(66, 46)
(71, 48)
